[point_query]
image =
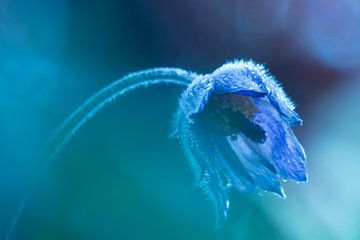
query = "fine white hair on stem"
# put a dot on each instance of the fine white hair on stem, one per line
(92, 106)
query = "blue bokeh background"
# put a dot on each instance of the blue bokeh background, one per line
(122, 177)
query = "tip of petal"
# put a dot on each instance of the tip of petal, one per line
(303, 179)
(283, 196)
(296, 121)
(280, 192)
(299, 176)
(222, 215)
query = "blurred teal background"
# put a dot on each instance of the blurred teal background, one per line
(122, 177)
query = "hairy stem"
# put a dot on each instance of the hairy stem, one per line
(93, 105)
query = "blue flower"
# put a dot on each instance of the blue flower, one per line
(235, 126)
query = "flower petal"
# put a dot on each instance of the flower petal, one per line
(195, 97)
(203, 159)
(281, 101)
(239, 77)
(281, 147)
(259, 168)
(232, 168)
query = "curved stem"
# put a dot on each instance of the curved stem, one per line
(109, 94)
(93, 105)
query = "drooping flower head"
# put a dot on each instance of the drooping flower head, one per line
(235, 126)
